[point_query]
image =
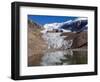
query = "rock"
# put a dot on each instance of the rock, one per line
(32, 24)
(36, 44)
(55, 31)
(79, 39)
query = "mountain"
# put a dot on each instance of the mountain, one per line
(76, 25)
(36, 44)
(33, 24)
(79, 39)
(79, 24)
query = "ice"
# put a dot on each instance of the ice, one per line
(55, 41)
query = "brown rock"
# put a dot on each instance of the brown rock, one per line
(79, 39)
(36, 44)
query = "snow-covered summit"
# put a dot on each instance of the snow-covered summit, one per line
(67, 26)
(52, 26)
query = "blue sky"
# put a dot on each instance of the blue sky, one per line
(44, 19)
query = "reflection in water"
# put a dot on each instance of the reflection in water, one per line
(58, 57)
(64, 57)
(55, 57)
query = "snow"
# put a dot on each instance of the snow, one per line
(58, 26)
(52, 26)
(54, 40)
(82, 18)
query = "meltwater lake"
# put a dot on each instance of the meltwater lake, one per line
(61, 57)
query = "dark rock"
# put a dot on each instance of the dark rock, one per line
(76, 26)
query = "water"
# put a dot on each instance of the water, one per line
(64, 57)
(61, 57)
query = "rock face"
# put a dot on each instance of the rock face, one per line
(55, 31)
(76, 25)
(34, 25)
(36, 44)
(79, 39)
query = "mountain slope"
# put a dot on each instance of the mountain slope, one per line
(80, 39)
(36, 44)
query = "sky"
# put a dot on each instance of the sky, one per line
(44, 19)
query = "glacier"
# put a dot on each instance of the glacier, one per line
(52, 26)
(55, 41)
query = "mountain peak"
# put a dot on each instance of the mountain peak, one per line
(79, 24)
